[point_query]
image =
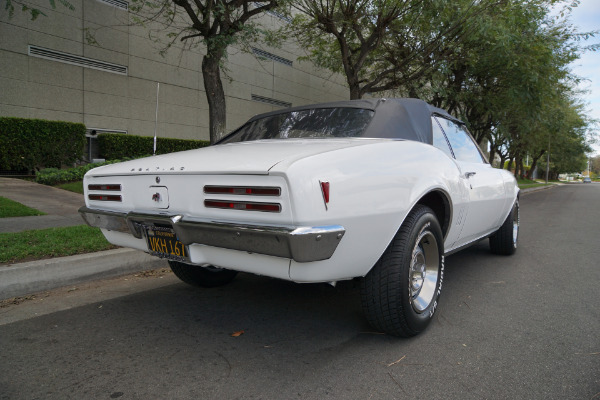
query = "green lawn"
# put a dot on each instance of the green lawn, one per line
(76, 187)
(53, 242)
(9, 208)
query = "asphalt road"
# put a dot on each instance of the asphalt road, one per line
(520, 327)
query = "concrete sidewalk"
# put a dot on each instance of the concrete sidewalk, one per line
(60, 206)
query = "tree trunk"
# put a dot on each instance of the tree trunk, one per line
(521, 168)
(492, 155)
(531, 169)
(534, 164)
(518, 165)
(215, 94)
(355, 92)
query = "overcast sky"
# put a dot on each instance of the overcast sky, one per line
(586, 18)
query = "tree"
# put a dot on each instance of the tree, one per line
(380, 45)
(33, 10)
(561, 117)
(595, 165)
(569, 144)
(509, 79)
(215, 24)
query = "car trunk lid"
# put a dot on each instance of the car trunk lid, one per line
(244, 158)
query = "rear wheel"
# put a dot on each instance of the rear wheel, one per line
(504, 240)
(205, 276)
(400, 293)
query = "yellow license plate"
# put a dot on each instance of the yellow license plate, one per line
(163, 242)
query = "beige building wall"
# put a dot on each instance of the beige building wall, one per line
(34, 84)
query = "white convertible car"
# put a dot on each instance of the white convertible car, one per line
(378, 189)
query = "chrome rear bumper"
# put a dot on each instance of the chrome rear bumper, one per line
(302, 244)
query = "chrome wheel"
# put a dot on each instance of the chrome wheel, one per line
(423, 272)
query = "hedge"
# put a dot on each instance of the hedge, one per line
(54, 176)
(34, 143)
(118, 145)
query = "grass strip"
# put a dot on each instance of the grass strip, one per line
(9, 208)
(528, 183)
(76, 187)
(53, 242)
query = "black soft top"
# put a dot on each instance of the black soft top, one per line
(401, 118)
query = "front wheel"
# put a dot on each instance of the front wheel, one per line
(400, 294)
(205, 276)
(504, 240)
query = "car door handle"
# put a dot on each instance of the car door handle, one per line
(469, 174)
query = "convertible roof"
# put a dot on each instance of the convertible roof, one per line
(394, 118)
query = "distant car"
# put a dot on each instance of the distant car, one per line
(587, 180)
(375, 189)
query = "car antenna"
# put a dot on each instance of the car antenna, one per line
(156, 118)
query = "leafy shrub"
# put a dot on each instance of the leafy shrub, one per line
(118, 145)
(54, 176)
(34, 143)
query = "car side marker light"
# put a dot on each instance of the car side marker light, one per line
(325, 192)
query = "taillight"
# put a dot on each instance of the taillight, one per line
(104, 197)
(112, 188)
(109, 187)
(244, 190)
(243, 205)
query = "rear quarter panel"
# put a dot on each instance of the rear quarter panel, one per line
(372, 189)
(512, 191)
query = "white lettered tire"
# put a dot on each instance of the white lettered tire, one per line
(400, 294)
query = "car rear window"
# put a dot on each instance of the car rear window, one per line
(313, 123)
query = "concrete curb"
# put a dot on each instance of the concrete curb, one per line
(37, 276)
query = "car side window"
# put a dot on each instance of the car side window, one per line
(439, 139)
(463, 146)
